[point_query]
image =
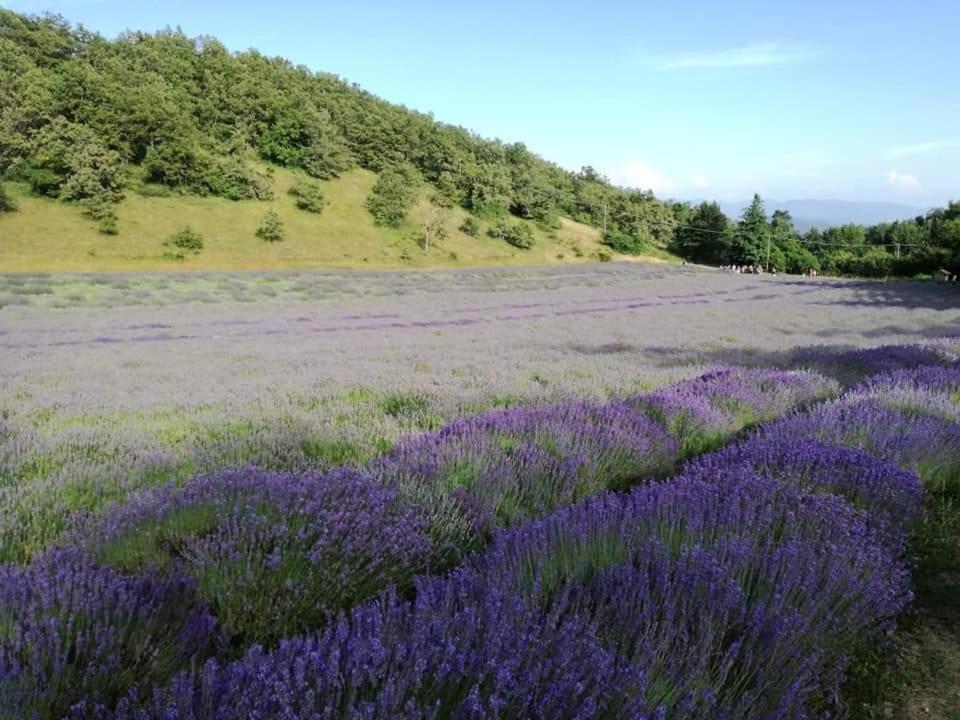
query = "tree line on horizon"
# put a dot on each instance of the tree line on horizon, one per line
(904, 247)
(86, 119)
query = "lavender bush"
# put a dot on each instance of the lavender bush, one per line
(73, 631)
(523, 462)
(923, 391)
(462, 649)
(925, 444)
(706, 411)
(273, 554)
(740, 600)
(851, 366)
(892, 498)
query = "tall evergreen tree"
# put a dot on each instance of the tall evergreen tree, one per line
(753, 234)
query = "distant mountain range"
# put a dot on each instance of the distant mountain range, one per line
(830, 213)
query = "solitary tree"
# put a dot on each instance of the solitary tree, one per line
(271, 227)
(752, 234)
(393, 195)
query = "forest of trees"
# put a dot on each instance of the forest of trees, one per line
(86, 120)
(903, 248)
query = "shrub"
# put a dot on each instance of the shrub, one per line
(72, 631)
(931, 391)
(851, 366)
(892, 498)
(393, 194)
(520, 235)
(470, 227)
(706, 411)
(104, 213)
(507, 466)
(271, 227)
(186, 239)
(622, 242)
(308, 196)
(925, 444)
(7, 203)
(461, 649)
(739, 599)
(108, 225)
(272, 553)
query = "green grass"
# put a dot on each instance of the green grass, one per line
(920, 677)
(50, 236)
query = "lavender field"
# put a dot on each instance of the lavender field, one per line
(611, 491)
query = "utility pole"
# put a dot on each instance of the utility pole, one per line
(767, 266)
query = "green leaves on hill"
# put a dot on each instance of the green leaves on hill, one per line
(308, 196)
(156, 111)
(393, 194)
(271, 227)
(7, 203)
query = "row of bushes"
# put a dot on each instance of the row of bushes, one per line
(731, 591)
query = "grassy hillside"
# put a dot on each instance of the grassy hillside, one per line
(50, 236)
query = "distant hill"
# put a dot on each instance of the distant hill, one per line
(824, 214)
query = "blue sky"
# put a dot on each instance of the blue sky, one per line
(846, 99)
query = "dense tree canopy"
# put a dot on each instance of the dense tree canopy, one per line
(905, 247)
(86, 119)
(185, 114)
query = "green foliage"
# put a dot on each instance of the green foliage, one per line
(520, 235)
(68, 161)
(271, 227)
(799, 260)
(393, 194)
(187, 239)
(78, 111)
(706, 235)
(308, 196)
(470, 227)
(7, 203)
(104, 213)
(875, 262)
(184, 165)
(752, 235)
(621, 242)
(109, 224)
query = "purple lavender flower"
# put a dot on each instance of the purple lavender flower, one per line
(73, 631)
(923, 391)
(927, 445)
(892, 498)
(523, 462)
(706, 411)
(738, 600)
(462, 649)
(272, 553)
(850, 366)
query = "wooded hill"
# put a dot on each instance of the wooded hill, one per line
(149, 133)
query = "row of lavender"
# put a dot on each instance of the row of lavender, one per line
(740, 589)
(727, 591)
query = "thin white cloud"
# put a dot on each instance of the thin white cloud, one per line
(902, 180)
(638, 174)
(925, 147)
(755, 55)
(701, 182)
